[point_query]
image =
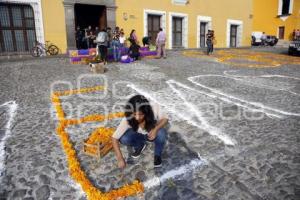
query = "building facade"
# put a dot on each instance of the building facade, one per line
(276, 17)
(185, 22)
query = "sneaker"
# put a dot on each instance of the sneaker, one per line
(149, 141)
(138, 152)
(157, 161)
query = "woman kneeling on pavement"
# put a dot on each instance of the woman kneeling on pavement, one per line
(144, 122)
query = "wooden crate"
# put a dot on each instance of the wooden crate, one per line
(97, 150)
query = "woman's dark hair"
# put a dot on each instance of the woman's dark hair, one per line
(131, 33)
(139, 103)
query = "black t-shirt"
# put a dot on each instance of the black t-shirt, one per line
(134, 48)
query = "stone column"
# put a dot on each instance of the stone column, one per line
(111, 16)
(70, 25)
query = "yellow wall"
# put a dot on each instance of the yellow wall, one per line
(219, 10)
(265, 18)
(54, 23)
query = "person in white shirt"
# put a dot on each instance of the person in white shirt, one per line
(143, 121)
(122, 38)
(161, 44)
(263, 38)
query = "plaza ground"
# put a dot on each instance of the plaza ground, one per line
(233, 131)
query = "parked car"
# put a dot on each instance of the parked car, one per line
(294, 48)
(256, 39)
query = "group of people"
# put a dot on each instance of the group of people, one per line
(85, 37)
(296, 34)
(115, 39)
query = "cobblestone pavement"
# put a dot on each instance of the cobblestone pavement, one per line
(233, 132)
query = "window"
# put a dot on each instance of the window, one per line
(285, 7)
(180, 2)
(17, 28)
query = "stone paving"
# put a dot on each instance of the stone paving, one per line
(241, 122)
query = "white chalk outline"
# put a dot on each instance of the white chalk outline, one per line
(263, 76)
(266, 109)
(12, 110)
(204, 126)
(175, 173)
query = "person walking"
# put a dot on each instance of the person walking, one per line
(161, 44)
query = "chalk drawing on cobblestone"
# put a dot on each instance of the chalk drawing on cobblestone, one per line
(199, 122)
(11, 109)
(204, 123)
(175, 173)
(270, 111)
(283, 87)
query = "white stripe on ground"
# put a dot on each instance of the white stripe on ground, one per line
(266, 109)
(204, 123)
(264, 76)
(200, 123)
(12, 109)
(175, 173)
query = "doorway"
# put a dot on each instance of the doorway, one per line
(281, 32)
(203, 30)
(177, 31)
(233, 35)
(90, 15)
(153, 27)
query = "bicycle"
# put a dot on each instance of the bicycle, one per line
(39, 49)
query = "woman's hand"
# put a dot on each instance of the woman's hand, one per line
(121, 163)
(152, 134)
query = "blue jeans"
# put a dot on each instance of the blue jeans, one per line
(138, 140)
(116, 50)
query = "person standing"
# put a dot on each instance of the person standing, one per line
(116, 44)
(297, 34)
(79, 38)
(133, 36)
(89, 37)
(109, 33)
(102, 42)
(213, 40)
(122, 39)
(95, 34)
(209, 41)
(161, 44)
(263, 39)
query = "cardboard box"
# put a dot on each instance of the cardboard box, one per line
(97, 68)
